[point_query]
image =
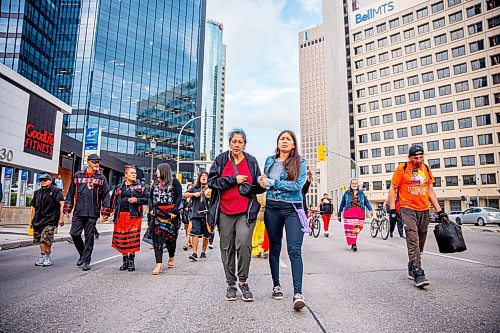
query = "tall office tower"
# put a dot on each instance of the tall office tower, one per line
(222, 99)
(212, 90)
(313, 111)
(427, 72)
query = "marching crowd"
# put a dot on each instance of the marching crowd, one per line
(228, 199)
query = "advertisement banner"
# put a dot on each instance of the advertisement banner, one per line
(22, 186)
(40, 128)
(91, 144)
(7, 174)
(365, 12)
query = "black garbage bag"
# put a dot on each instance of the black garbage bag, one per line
(148, 235)
(449, 237)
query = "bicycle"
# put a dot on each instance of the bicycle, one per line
(314, 223)
(380, 223)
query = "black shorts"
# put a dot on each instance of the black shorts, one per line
(199, 227)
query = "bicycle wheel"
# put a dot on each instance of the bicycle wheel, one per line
(309, 220)
(374, 228)
(317, 227)
(384, 228)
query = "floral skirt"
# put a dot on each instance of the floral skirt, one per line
(165, 229)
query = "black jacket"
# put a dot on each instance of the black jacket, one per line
(47, 205)
(136, 209)
(86, 195)
(218, 184)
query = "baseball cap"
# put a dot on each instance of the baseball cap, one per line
(93, 157)
(416, 150)
(45, 176)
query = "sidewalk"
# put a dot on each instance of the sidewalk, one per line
(14, 236)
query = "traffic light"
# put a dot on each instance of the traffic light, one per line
(344, 188)
(321, 153)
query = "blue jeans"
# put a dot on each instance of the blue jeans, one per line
(280, 214)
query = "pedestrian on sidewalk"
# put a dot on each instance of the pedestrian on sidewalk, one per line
(164, 202)
(127, 203)
(233, 180)
(326, 209)
(186, 212)
(413, 183)
(353, 205)
(46, 213)
(284, 175)
(200, 206)
(58, 182)
(87, 193)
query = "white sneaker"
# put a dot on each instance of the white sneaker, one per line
(298, 302)
(47, 261)
(40, 261)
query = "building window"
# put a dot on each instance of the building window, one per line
(466, 141)
(474, 10)
(489, 6)
(457, 34)
(437, 7)
(375, 136)
(397, 68)
(443, 73)
(397, 53)
(481, 101)
(458, 51)
(370, 46)
(372, 75)
(385, 71)
(476, 46)
(366, 186)
(360, 78)
(362, 123)
(463, 104)
(427, 77)
(425, 44)
(451, 181)
(478, 64)
(400, 116)
(394, 23)
(371, 61)
(374, 105)
(469, 180)
(398, 84)
(389, 151)
(387, 118)
(358, 50)
(416, 130)
(383, 56)
(374, 121)
(433, 145)
(465, 123)
(372, 90)
(410, 33)
(390, 167)
(411, 64)
(431, 128)
(401, 99)
(494, 41)
(382, 42)
(488, 179)
(368, 32)
(460, 69)
(448, 125)
(450, 162)
(422, 29)
(377, 185)
(363, 170)
(385, 87)
(439, 23)
(430, 110)
(395, 38)
(461, 86)
(360, 93)
(407, 18)
(454, 2)
(492, 202)
(468, 160)
(361, 108)
(363, 154)
(389, 134)
(485, 159)
(483, 120)
(429, 93)
(427, 60)
(377, 168)
(475, 28)
(402, 149)
(437, 181)
(446, 107)
(441, 39)
(445, 90)
(414, 96)
(363, 138)
(495, 59)
(358, 64)
(434, 163)
(357, 36)
(381, 28)
(376, 152)
(386, 102)
(455, 17)
(442, 56)
(449, 144)
(402, 132)
(415, 113)
(480, 82)
(485, 139)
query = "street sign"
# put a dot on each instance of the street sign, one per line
(91, 144)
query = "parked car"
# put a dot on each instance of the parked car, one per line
(480, 216)
(433, 217)
(454, 214)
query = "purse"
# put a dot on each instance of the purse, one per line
(245, 188)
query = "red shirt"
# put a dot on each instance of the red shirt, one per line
(232, 202)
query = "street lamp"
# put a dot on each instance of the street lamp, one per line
(179, 138)
(152, 144)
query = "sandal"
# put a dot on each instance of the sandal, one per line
(158, 269)
(170, 263)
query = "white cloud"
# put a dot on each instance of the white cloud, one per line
(314, 6)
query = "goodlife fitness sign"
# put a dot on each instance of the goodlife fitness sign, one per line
(40, 125)
(364, 12)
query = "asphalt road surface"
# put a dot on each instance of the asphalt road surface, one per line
(366, 291)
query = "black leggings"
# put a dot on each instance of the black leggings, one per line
(159, 252)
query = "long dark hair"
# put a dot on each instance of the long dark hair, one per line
(292, 163)
(198, 181)
(165, 178)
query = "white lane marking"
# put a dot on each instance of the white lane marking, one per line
(103, 260)
(282, 263)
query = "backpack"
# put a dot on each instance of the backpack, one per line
(426, 167)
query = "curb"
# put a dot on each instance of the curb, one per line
(25, 243)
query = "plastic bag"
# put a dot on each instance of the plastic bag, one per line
(449, 237)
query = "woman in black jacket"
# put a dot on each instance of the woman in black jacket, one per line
(233, 212)
(126, 204)
(164, 201)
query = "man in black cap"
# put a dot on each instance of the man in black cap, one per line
(46, 212)
(413, 181)
(87, 192)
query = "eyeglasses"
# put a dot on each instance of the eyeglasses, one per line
(95, 162)
(44, 180)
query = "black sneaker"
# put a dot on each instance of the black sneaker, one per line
(410, 272)
(277, 292)
(246, 294)
(203, 255)
(402, 236)
(298, 302)
(193, 256)
(420, 279)
(391, 235)
(354, 247)
(79, 263)
(85, 266)
(231, 293)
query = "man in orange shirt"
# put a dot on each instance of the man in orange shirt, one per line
(413, 180)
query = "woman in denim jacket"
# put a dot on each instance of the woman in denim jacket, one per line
(284, 174)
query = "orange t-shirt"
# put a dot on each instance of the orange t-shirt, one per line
(413, 186)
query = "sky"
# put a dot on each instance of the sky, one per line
(262, 69)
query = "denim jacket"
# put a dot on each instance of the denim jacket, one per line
(286, 190)
(346, 202)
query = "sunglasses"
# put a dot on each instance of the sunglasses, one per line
(44, 180)
(95, 162)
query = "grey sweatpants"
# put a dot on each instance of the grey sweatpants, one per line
(235, 241)
(416, 226)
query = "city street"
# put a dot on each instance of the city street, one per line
(345, 291)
